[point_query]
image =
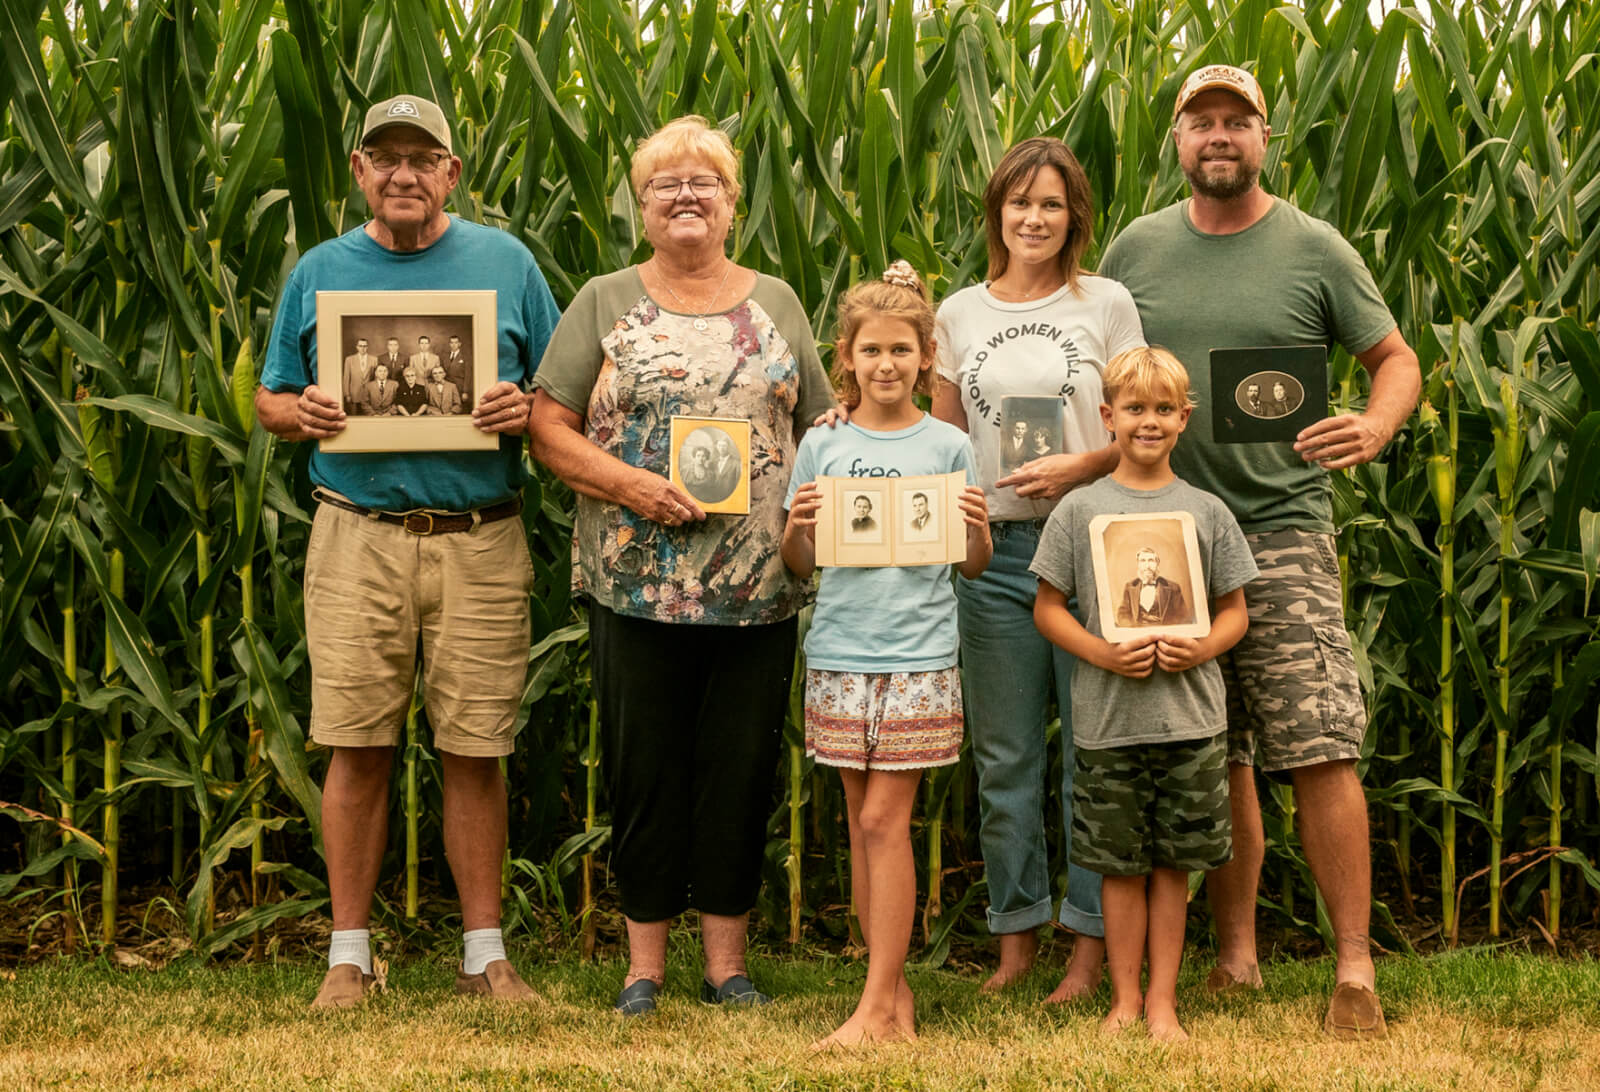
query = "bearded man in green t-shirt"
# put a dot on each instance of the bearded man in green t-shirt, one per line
(1234, 266)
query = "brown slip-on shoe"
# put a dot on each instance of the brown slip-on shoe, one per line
(1354, 1013)
(499, 980)
(344, 986)
(1222, 983)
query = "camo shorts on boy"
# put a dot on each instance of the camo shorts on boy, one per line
(1154, 805)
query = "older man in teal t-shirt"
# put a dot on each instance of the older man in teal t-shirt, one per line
(1236, 267)
(413, 547)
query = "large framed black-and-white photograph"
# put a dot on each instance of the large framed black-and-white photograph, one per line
(407, 368)
(1147, 575)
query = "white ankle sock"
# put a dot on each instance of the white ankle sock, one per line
(351, 946)
(481, 947)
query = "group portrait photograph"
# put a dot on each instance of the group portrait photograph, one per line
(934, 544)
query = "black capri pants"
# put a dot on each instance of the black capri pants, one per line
(691, 718)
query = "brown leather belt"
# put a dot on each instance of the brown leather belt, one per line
(427, 521)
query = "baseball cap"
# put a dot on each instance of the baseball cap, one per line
(1226, 77)
(410, 110)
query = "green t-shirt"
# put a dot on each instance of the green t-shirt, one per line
(1287, 279)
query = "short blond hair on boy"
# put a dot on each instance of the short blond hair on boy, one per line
(1147, 372)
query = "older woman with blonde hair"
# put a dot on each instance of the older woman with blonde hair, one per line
(692, 621)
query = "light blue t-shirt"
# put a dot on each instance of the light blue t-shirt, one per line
(467, 256)
(900, 618)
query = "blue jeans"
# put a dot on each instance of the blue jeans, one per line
(1007, 670)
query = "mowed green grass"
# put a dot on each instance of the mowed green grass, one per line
(1469, 1020)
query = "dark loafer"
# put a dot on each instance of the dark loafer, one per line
(638, 999)
(737, 991)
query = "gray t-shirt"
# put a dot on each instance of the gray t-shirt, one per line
(1111, 710)
(1287, 279)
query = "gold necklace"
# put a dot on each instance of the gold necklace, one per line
(700, 322)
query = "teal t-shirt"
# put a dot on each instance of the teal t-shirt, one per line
(1287, 279)
(467, 256)
(895, 618)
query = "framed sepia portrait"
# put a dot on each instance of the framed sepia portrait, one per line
(1030, 427)
(1147, 575)
(710, 461)
(891, 521)
(407, 368)
(1268, 394)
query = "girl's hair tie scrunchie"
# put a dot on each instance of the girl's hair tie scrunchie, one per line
(901, 275)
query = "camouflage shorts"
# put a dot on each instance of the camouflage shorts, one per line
(1294, 698)
(1156, 805)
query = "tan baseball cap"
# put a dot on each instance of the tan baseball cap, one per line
(412, 110)
(1226, 77)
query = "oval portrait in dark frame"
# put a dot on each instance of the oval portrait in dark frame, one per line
(1269, 394)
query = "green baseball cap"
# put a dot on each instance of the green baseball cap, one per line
(412, 110)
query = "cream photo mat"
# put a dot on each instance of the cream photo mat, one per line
(872, 521)
(715, 489)
(1115, 541)
(336, 310)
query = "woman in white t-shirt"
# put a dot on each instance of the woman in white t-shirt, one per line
(1039, 327)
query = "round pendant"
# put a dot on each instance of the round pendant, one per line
(701, 324)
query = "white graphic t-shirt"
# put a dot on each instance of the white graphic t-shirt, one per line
(1055, 346)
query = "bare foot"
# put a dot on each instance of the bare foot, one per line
(1166, 1029)
(905, 1010)
(859, 1031)
(1083, 971)
(1119, 1019)
(1017, 953)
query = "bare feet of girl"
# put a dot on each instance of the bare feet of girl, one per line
(863, 1030)
(1120, 1019)
(905, 1010)
(1162, 1020)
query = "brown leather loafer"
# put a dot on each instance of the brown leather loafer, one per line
(1222, 983)
(344, 986)
(499, 980)
(1354, 1013)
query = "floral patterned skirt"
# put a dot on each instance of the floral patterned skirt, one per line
(900, 720)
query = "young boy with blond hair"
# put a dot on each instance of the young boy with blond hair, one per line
(1150, 792)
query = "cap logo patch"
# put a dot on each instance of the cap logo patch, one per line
(403, 109)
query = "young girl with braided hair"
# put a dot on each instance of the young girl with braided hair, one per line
(883, 696)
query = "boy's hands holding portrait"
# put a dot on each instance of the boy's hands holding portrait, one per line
(1134, 658)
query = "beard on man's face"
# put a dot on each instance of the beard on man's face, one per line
(1237, 183)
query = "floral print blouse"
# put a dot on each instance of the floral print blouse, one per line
(629, 365)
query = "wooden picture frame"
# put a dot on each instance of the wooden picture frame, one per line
(892, 521)
(1267, 394)
(709, 459)
(421, 329)
(1122, 548)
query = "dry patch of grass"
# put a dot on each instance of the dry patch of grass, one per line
(1465, 1021)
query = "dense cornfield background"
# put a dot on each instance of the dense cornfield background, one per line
(163, 165)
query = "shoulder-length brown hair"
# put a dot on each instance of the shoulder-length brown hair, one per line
(1017, 169)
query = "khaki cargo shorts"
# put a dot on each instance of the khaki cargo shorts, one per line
(374, 591)
(1294, 698)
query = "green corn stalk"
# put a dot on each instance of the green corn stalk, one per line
(1442, 483)
(69, 766)
(1553, 901)
(933, 820)
(242, 388)
(413, 807)
(591, 786)
(198, 453)
(1508, 457)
